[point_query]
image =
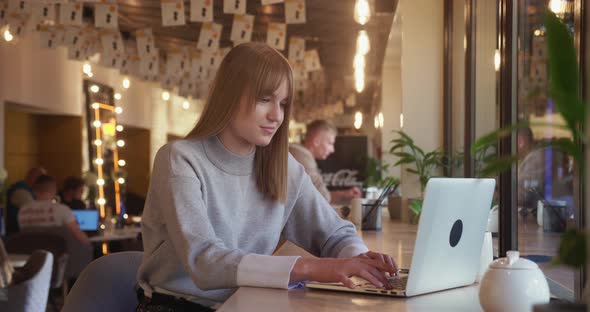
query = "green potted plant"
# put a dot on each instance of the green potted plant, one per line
(420, 163)
(564, 90)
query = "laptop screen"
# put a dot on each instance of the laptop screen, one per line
(87, 219)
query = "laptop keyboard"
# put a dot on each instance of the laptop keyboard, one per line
(396, 282)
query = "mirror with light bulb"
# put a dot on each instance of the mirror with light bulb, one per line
(106, 174)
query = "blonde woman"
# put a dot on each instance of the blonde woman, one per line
(221, 199)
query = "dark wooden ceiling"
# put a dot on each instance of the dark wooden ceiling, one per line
(330, 28)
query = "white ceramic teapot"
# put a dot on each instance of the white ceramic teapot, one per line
(513, 284)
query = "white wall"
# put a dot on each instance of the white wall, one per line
(421, 79)
(47, 80)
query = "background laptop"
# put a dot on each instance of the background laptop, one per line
(448, 243)
(88, 220)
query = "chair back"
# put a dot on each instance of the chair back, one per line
(107, 284)
(80, 254)
(27, 242)
(30, 287)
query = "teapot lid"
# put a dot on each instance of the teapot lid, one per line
(513, 261)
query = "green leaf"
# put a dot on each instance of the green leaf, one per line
(403, 161)
(498, 165)
(403, 155)
(410, 170)
(416, 206)
(563, 66)
(572, 249)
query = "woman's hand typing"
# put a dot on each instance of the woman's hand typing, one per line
(371, 266)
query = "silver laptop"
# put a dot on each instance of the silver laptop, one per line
(448, 244)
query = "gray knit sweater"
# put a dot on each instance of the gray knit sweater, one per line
(207, 229)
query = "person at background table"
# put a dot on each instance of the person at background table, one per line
(71, 193)
(44, 211)
(220, 200)
(318, 145)
(19, 194)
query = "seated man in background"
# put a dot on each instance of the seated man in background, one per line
(319, 144)
(19, 194)
(45, 212)
(71, 193)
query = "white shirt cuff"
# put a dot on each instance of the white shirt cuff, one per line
(265, 271)
(352, 251)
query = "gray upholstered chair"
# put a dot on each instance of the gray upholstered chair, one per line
(107, 284)
(30, 287)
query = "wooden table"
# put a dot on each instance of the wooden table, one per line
(396, 239)
(115, 235)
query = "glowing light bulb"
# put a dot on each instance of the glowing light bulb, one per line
(358, 120)
(119, 128)
(86, 68)
(125, 216)
(117, 96)
(362, 11)
(186, 104)
(363, 45)
(122, 163)
(165, 95)
(120, 143)
(95, 105)
(94, 88)
(8, 36)
(101, 201)
(100, 182)
(121, 180)
(118, 109)
(99, 161)
(126, 83)
(97, 123)
(98, 142)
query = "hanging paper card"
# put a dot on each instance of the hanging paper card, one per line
(43, 13)
(187, 87)
(296, 49)
(3, 13)
(168, 82)
(17, 25)
(299, 72)
(20, 6)
(106, 16)
(48, 37)
(234, 7)
(177, 64)
(265, 2)
(73, 37)
(76, 53)
(312, 60)
(71, 14)
(210, 60)
(112, 43)
(276, 35)
(202, 10)
(197, 68)
(149, 66)
(241, 30)
(295, 11)
(130, 64)
(209, 36)
(145, 42)
(173, 12)
(114, 60)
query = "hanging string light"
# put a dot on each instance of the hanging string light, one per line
(363, 44)
(358, 120)
(362, 12)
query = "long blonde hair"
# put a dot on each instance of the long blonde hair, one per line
(252, 70)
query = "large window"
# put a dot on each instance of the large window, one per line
(546, 179)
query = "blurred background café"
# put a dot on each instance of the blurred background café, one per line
(90, 90)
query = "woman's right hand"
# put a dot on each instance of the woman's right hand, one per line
(330, 270)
